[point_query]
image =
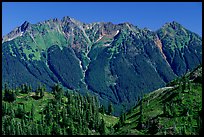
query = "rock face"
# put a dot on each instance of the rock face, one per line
(116, 62)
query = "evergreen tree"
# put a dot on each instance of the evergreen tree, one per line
(110, 109)
(164, 109)
(189, 86)
(17, 91)
(37, 92)
(58, 92)
(153, 128)
(199, 123)
(17, 129)
(6, 92)
(72, 129)
(32, 112)
(184, 83)
(168, 110)
(40, 129)
(69, 111)
(12, 128)
(64, 118)
(88, 116)
(3, 126)
(86, 128)
(121, 120)
(97, 121)
(29, 130)
(102, 127)
(4, 108)
(20, 112)
(12, 114)
(80, 126)
(9, 95)
(124, 115)
(35, 127)
(140, 122)
(55, 129)
(42, 119)
(25, 89)
(42, 91)
(102, 109)
(13, 96)
(22, 127)
(64, 131)
(48, 118)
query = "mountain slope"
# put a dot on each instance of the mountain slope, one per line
(172, 110)
(182, 47)
(113, 61)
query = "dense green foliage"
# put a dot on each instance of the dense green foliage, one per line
(56, 113)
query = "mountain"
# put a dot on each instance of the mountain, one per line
(172, 110)
(116, 62)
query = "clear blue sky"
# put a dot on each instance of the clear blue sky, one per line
(152, 15)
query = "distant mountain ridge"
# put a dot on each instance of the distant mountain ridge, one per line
(113, 61)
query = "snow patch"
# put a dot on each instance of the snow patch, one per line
(107, 45)
(116, 32)
(196, 51)
(21, 33)
(99, 38)
(18, 35)
(128, 26)
(9, 39)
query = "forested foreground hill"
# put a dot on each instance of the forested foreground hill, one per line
(172, 110)
(56, 113)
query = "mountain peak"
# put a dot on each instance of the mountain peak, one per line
(174, 22)
(17, 31)
(66, 18)
(25, 26)
(26, 22)
(175, 25)
(72, 20)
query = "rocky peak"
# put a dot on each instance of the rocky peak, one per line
(72, 20)
(26, 25)
(174, 25)
(18, 31)
(172, 29)
(66, 18)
